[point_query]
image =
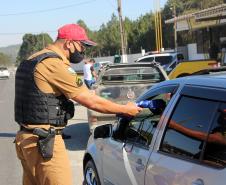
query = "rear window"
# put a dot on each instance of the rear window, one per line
(132, 74)
(164, 60)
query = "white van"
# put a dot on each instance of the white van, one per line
(167, 60)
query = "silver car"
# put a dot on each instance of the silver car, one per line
(4, 72)
(181, 144)
(122, 83)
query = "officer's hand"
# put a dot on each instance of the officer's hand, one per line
(131, 109)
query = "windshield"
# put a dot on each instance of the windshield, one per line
(164, 60)
(132, 75)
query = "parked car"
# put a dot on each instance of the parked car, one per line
(185, 144)
(122, 83)
(4, 72)
(175, 65)
(186, 68)
(167, 60)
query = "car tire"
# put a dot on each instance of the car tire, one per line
(90, 174)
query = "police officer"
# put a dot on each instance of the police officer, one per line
(45, 84)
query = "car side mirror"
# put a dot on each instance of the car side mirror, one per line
(103, 131)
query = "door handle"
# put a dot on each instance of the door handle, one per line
(198, 182)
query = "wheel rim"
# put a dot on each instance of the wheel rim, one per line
(91, 177)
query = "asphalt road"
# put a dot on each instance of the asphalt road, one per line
(10, 168)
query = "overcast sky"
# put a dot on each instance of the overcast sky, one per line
(18, 17)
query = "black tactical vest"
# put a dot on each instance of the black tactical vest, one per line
(32, 106)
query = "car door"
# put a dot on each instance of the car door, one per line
(184, 153)
(121, 155)
(126, 153)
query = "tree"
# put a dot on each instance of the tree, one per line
(108, 37)
(31, 44)
(5, 60)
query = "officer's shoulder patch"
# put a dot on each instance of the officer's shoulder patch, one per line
(79, 82)
(71, 70)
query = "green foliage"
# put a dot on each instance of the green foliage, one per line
(5, 60)
(31, 44)
(182, 7)
(108, 37)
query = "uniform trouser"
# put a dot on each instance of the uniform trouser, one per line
(39, 171)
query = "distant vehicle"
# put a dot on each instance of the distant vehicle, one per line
(122, 83)
(184, 144)
(186, 68)
(175, 65)
(168, 60)
(4, 72)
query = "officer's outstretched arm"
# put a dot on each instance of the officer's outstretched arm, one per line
(102, 105)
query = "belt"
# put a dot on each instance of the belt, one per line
(57, 131)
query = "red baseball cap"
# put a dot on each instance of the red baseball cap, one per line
(76, 33)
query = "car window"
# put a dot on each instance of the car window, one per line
(148, 59)
(140, 129)
(171, 67)
(188, 128)
(164, 60)
(215, 150)
(132, 74)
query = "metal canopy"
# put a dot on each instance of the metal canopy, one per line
(205, 18)
(217, 12)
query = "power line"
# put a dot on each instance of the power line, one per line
(48, 10)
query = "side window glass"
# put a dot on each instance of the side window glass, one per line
(215, 150)
(173, 65)
(149, 59)
(188, 128)
(141, 129)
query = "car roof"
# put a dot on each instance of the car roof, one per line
(215, 80)
(161, 54)
(133, 64)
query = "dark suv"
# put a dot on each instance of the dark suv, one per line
(183, 144)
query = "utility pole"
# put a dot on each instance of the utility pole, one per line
(175, 27)
(122, 33)
(158, 26)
